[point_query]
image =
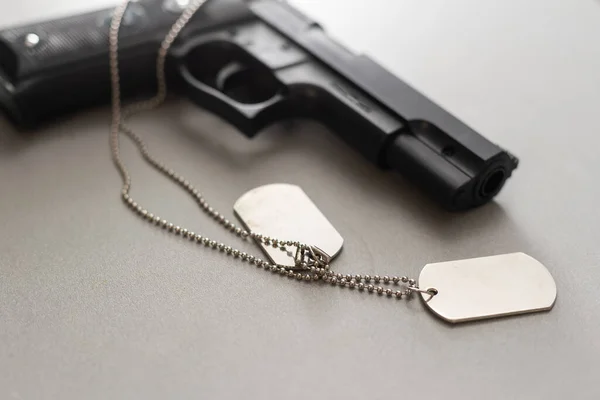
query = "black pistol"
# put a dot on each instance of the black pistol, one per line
(252, 63)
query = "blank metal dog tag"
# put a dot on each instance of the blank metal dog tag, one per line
(487, 287)
(285, 212)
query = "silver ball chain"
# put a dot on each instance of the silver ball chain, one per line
(311, 268)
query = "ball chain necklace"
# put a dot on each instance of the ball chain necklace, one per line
(310, 267)
(310, 263)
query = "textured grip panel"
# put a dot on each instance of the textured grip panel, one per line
(67, 68)
(60, 38)
(69, 40)
(76, 40)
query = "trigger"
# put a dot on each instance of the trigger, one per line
(226, 73)
(246, 84)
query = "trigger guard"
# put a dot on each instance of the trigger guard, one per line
(248, 118)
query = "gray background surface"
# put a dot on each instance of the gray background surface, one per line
(95, 304)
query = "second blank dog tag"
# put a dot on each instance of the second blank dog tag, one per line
(487, 287)
(285, 212)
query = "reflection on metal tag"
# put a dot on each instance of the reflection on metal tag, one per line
(488, 287)
(285, 212)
